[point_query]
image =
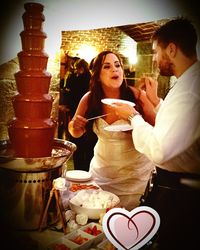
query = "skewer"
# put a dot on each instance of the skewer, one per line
(60, 211)
(46, 209)
(53, 191)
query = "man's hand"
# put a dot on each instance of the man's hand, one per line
(150, 86)
(124, 110)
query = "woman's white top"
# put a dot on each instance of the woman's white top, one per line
(117, 166)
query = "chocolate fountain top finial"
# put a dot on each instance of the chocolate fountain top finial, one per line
(33, 17)
(33, 7)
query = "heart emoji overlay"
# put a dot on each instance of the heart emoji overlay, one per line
(130, 230)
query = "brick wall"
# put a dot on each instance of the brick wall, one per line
(116, 40)
(102, 39)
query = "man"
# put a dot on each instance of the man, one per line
(173, 143)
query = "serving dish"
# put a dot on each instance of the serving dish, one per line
(63, 244)
(79, 239)
(93, 203)
(94, 229)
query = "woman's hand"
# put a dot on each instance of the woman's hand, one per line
(79, 122)
(77, 126)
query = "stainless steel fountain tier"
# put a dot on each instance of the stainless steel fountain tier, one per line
(25, 184)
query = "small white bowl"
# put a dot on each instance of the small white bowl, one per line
(87, 202)
(86, 245)
(97, 238)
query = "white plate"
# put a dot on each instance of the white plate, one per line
(78, 175)
(111, 101)
(119, 127)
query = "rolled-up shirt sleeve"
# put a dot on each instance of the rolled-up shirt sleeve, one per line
(158, 106)
(144, 139)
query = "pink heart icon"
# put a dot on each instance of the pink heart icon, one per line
(130, 230)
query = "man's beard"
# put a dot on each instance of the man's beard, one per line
(166, 67)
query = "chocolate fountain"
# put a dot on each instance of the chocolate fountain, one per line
(32, 158)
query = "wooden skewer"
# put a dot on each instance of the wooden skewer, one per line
(46, 209)
(52, 192)
(60, 210)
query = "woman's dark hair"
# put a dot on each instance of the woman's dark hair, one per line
(179, 31)
(96, 90)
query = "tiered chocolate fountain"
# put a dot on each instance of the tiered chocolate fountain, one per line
(32, 131)
(32, 158)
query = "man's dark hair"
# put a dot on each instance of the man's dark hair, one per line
(179, 31)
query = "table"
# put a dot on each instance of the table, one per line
(46, 237)
(41, 240)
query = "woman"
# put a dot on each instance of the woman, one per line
(116, 166)
(78, 85)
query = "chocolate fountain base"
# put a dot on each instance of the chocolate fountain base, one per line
(25, 185)
(23, 198)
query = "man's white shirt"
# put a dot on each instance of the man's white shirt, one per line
(177, 124)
